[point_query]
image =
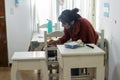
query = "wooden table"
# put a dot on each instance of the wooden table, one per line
(81, 57)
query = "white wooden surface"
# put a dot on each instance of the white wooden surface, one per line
(29, 61)
(82, 57)
(52, 61)
(101, 40)
(38, 37)
(53, 35)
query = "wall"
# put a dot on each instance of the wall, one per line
(18, 24)
(111, 25)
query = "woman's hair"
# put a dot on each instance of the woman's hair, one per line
(69, 15)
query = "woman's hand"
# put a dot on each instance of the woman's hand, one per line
(52, 42)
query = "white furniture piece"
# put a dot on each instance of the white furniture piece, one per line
(52, 61)
(35, 60)
(81, 57)
(48, 36)
(100, 44)
(101, 40)
(117, 72)
(37, 42)
(103, 44)
(39, 38)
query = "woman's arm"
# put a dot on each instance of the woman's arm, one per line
(61, 40)
(65, 37)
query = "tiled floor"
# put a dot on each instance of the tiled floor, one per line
(26, 75)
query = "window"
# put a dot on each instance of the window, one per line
(51, 9)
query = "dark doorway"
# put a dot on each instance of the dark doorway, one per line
(3, 36)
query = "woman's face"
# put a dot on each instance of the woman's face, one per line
(66, 25)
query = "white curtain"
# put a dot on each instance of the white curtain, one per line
(51, 9)
(82, 5)
(46, 9)
(33, 14)
(43, 10)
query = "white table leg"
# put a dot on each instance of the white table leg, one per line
(100, 73)
(15, 74)
(67, 73)
(44, 71)
(60, 73)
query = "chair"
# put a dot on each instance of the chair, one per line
(52, 61)
(34, 60)
(100, 44)
(103, 44)
(101, 40)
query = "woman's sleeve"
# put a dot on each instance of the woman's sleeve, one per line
(89, 35)
(65, 37)
(92, 35)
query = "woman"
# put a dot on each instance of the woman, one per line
(75, 28)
